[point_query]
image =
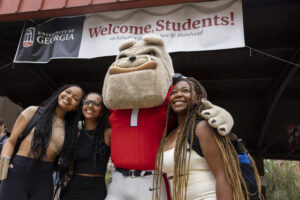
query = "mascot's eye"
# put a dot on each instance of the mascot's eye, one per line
(151, 53)
(122, 56)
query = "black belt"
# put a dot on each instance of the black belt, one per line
(133, 173)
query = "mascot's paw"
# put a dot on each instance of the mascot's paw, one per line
(217, 117)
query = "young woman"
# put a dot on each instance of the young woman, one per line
(91, 153)
(40, 136)
(200, 163)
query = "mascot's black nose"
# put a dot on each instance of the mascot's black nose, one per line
(132, 58)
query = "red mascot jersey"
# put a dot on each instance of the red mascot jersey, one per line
(136, 135)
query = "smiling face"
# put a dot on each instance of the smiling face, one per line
(140, 77)
(92, 106)
(181, 96)
(70, 98)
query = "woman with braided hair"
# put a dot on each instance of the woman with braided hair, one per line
(200, 163)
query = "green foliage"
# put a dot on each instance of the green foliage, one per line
(107, 178)
(283, 180)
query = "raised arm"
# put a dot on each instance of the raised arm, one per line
(213, 156)
(19, 126)
(9, 146)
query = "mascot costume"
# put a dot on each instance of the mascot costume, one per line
(136, 90)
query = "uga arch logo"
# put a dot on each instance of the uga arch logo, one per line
(28, 39)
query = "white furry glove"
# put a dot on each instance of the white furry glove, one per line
(4, 165)
(217, 117)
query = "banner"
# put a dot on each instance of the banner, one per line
(185, 27)
(56, 38)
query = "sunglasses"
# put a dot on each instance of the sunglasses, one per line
(94, 103)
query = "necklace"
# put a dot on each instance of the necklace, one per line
(58, 123)
(90, 136)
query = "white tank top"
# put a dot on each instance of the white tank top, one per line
(202, 183)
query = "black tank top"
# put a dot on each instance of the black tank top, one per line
(196, 145)
(83, 158)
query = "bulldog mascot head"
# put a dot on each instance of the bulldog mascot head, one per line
(141, 75)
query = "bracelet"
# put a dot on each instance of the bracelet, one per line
(4, 165)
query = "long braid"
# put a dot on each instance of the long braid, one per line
(257, 178)
(159, 160)
(232, 168)
(180, 172)
(181, 166)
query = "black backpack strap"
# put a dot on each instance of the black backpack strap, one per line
(237, 143)
(196, 145)
(32, 123)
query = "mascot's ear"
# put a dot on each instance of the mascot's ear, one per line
(153, 39)
(127, 44)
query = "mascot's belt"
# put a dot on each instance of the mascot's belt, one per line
(133, 173)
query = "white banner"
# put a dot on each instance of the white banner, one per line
(188, 27)
(185, 27)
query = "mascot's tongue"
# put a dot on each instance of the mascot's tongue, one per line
(118, 70)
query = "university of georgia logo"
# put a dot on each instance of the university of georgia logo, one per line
(28, 39)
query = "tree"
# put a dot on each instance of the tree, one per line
(283, 180)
